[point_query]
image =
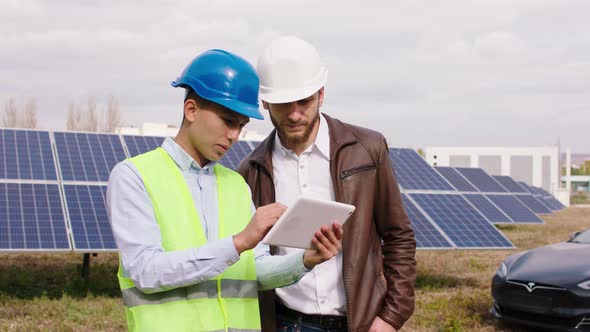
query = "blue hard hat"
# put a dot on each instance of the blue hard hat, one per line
(223, 78)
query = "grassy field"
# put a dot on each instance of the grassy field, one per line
(45, 292)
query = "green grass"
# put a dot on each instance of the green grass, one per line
(45, 292)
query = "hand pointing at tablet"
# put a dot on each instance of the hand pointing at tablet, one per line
(264, 218)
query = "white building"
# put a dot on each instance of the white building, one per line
(537, 166)
(166, 130)
(150, 129)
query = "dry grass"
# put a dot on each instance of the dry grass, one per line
(45, 292)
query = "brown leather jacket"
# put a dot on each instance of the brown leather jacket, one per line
(379, 279)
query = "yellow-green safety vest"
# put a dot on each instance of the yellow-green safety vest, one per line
(228, 302)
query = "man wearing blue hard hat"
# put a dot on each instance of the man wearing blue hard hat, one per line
(187, 232)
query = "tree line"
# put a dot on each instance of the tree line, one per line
(88, 117)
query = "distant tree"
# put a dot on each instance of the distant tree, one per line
(25, 118)
(29, 119)
(73, 122)
(91, 120)
(9, 119)
(577, 171)
(421, 152)
(113, 115)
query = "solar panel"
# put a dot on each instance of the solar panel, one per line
(32, 218)
(137, 145)
(86, 206)
(514, 208)
(551, 202)
(427, 235)
(234, 156)
(488, 209)
(466, 227)
(456, 179)
(533, 204)
(88, 157)
(526, 187)
(539, 192)
(543, 197)
(558, 205)
(481, 180)
(509, 183)
(26, 155)
(413, 173)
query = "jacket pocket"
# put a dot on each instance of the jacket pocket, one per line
(355, 170)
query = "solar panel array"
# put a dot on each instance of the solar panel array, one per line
(53, 187)
(517, 205)
(465, 226)
(438, 201)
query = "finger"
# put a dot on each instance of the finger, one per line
(277, 204)
(331, 249)
(279, 210)
(331, 237)
(338, 230)
(322, 250)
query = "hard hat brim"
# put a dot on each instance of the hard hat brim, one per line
(243, 108)
(280, 96)
(239, 107)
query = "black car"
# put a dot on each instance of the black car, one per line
(547, 287)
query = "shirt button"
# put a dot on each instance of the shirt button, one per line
(304, 185)
(301, 166)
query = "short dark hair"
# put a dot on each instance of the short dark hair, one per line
(201, 102)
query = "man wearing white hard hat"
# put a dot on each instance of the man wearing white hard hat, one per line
(369, 285)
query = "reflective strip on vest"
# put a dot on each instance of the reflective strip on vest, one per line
(207, 289)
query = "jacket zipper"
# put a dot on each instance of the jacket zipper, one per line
(350, 172)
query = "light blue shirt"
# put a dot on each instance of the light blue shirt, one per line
(138, 236)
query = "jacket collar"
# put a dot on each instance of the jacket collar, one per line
(339, 137)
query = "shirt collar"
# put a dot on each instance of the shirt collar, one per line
(322, 141)
(184, 161)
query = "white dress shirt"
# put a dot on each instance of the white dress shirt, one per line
(320, 291)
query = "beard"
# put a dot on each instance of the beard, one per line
(291, 140)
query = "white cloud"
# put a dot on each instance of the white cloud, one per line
(422, 72)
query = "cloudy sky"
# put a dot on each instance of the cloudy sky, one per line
(424, 73)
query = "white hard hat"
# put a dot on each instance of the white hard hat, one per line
(290, 69)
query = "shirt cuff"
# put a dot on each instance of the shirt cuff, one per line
(225, 248)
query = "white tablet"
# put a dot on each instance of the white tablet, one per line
(296, 227)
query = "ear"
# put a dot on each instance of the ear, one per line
(265, 105)
(190, 110)
(321, 97)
